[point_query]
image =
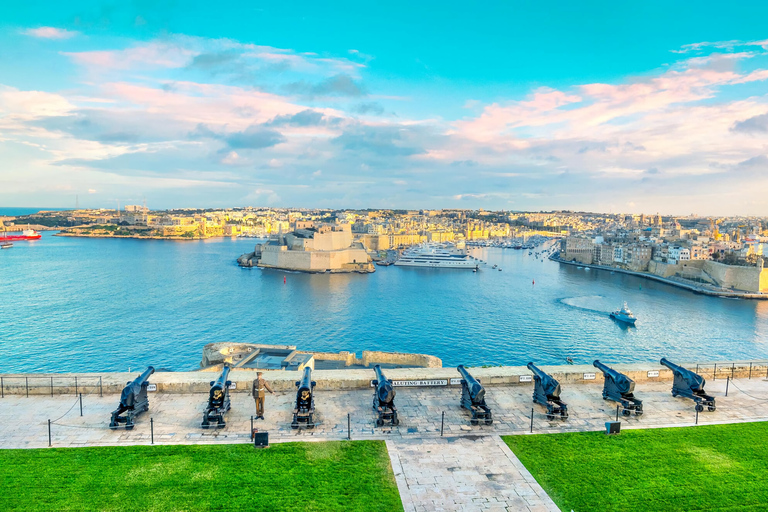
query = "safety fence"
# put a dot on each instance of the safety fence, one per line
(732, 370)
(39, 385)
(356, 425)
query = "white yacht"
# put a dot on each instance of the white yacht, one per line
(438, 256)
(624, 315)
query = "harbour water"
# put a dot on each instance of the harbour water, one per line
(79, 304)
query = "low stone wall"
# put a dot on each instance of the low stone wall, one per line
(370, 358)
(199, 382)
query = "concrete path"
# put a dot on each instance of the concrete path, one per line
(463, 473)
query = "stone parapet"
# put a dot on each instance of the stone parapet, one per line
(199, 382)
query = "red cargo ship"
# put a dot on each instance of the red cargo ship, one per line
(27, 234)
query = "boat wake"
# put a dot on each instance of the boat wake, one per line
(594, 303)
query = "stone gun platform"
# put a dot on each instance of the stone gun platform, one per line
(177, 416)
(465, 468)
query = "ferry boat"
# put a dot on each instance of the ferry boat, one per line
(624, 315)
(438, 256)
(6, 245)
(27, 234)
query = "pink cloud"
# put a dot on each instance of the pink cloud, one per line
(50, 33)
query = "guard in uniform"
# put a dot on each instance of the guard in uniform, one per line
(258, 390)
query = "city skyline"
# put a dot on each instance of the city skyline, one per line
(514, 108)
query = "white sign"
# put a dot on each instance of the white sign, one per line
(233, 385)
(417, 383)
(455, 382)
(653, 373)
(525, 378)
(589, 376)
(151, 387)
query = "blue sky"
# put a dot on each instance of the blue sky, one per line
(514, 105)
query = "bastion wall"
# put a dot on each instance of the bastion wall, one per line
(199, 382)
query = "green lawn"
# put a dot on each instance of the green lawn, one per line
(330, 475)
(715, 467)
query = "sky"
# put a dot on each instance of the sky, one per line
(597, 106)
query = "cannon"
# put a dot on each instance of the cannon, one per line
(473, 398)
(619, 388)
(384, 399)
(546, 392)
(690, 385)
(304, 411)
(218, 400)
(133, 401)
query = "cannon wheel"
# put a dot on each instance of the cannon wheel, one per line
(395, 422)
(550, 417)
(626, 412)
(699, 408)
(638, 412)
(473, 422)
(711, 408)
(489, 422)
(379, 422)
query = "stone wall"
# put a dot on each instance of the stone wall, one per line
(747, 279)
(199, 382)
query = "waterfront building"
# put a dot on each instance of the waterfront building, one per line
(323, 249)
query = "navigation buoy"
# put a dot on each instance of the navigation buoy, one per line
(534, 281)
(283, 279)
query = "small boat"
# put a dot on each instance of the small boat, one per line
(495, 266)
(6, 245)
(624, 315)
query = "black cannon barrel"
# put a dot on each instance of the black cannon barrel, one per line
(306, 381)
(672, 366)
(692, 379)
(536, 370)
(384, 388)
(141, 379)
(549, 384)
(623, 383)
(603, 368)
(132, 389)
(476, 390)
(221, 382)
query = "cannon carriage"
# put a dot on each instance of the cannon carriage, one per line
(218, 401)
(690, 385)
(473, 398)
(619, 388)
(133, 401)
(546, 392)
(304, 411)
(384, 399)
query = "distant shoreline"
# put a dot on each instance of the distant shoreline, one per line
(138, 237)
(685, 286)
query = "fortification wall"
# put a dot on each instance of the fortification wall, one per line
(199, 382)
(730, 276)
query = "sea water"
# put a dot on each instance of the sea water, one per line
(88, 304)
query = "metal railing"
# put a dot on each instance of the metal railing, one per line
(53, 385)
(732, 369)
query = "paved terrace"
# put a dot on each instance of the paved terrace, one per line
(177, 416)
(467, 468)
